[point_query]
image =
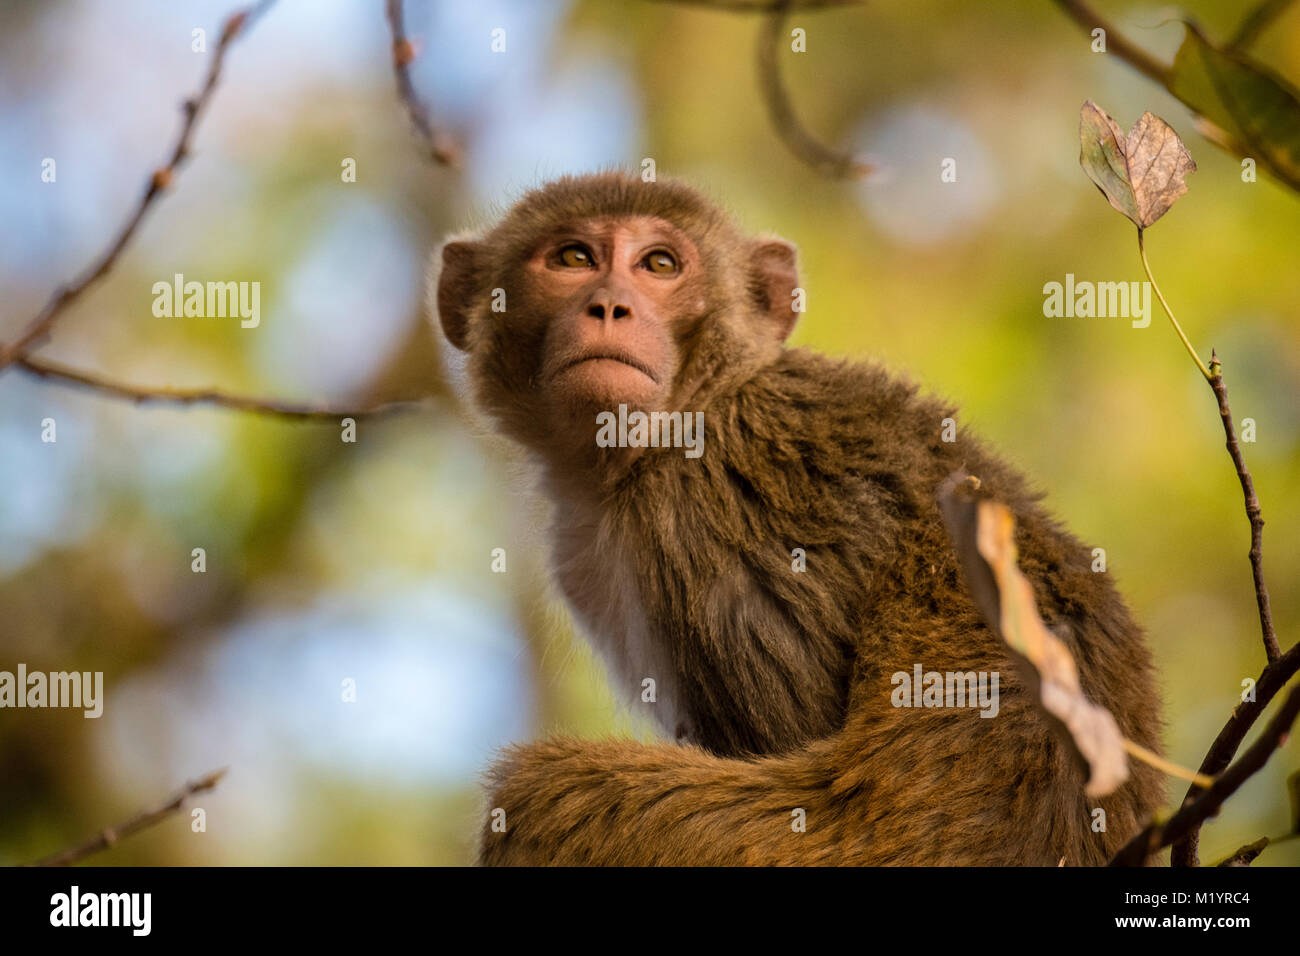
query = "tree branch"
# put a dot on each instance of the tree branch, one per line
(441, 148)
(110, 835)
(780, 110)
(1253, 511)
(39, 327)
(17, 352)
(1247, 854)
(1280, 667)
(1190, 816)
(797, 139)
(1273, 678)
(1124, 48)
(57, 372)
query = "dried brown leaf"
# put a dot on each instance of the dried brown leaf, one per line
(1102, 155)
(983, 532)
(1142, 173)
(1158, 163)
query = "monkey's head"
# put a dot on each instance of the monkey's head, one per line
(603, 290)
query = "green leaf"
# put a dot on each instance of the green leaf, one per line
(1255, 107)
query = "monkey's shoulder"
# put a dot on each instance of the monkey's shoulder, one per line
(835, 397)
(835, 419)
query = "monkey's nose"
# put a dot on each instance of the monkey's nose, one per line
(602, 305)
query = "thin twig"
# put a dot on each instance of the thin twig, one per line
(1185, 852)
(1193, 813)
(1142, 251)
(110, 835)
(1246, 854)
(39, 327)
(57, 372)
(1280, 667)
(1254, 514)
(1116, 42)
(441, 148)
(1256, 22)
(1153, 759)
(1273, 678)
(797, 139)
(1253, 511)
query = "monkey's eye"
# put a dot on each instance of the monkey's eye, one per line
(576, 257)
(661, 262)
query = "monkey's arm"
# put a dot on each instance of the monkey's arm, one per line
(896, 786)
(620, 803)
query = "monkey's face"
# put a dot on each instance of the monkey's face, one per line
(600, 291)
(615, 297)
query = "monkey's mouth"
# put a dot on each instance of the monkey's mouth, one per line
(609, 355)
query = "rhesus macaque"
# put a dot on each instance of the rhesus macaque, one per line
(773, 667)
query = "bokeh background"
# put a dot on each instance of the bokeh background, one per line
(370, 561)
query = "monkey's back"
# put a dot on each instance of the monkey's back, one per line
(806, 554)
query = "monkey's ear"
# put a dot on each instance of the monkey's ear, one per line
(457, 289)
(773, 278)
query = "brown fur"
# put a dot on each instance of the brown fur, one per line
(778, 683)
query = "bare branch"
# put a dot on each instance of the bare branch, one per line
(1246, 854)
(1195, 811)
(1256, 22)
(1273, 678)
(1280, 667)
(441, 148)
(57, 372)
(1116, 42)
(110, 835)
(160, 181)
(1253, 511)
(797, 139)
(39, 327)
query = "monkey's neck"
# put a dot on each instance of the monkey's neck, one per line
(589, 474)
